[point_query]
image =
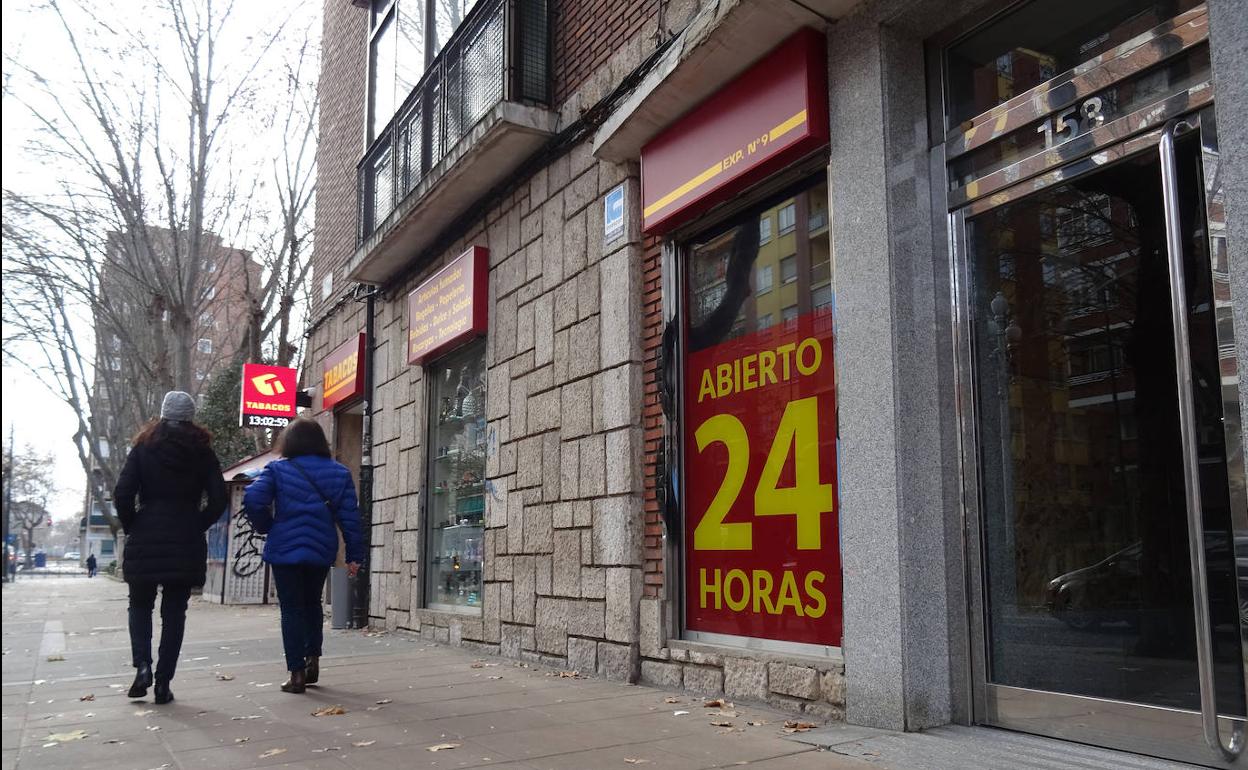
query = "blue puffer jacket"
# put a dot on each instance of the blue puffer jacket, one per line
(283, 504)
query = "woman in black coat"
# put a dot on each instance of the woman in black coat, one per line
(171, 469)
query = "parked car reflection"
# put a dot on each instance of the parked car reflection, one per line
(1110, 591)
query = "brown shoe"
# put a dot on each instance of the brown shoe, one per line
(296, 683)
(312, 674)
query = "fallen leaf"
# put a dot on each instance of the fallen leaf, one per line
(272, 753)
(88, 696)
(327, 748)
(145, 712)
(55, 658)
(76, 735)
(236, 719)
(721, 723)
(679, 713)
(792, 726)
(329, 711)
(114, 740)
(153, 728)
(89, 714)
(241, 740)
(493, 677)
(225, 677)
(477, 664)
(717, 703)
(671, 700)
(635, 761)
(372, 708)
(443, 747)
(756, 723)
(384, 701)
(724, 714)
(201, 657)
(362, 744)
(569, 674)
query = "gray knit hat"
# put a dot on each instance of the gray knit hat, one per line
(177, 406)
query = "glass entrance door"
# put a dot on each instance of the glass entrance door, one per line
(1100, 455)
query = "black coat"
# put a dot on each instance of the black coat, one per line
(165, 534)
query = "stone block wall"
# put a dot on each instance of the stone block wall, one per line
(796, 683)
(562, 562)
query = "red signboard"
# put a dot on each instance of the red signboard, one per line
(762, 545)
(771, 115)
(343, 373)
(449, 307)
(268, 395)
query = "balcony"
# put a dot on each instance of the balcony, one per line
(477, 113)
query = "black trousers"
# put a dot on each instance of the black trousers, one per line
(174, 598)
(299, 589)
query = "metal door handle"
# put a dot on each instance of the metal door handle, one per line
(1191, 468)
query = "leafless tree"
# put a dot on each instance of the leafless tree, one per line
(30, 488)
(112, 262)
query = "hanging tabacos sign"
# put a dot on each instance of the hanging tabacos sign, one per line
(268, 396)
(343, 374)
(762, 543)
(449, 307)
(773, 114)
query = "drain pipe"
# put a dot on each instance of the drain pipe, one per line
(360, 589)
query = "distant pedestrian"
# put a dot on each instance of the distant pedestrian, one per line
(301, 502)
(170, 469)
(91, 565)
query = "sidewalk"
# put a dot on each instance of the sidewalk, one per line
(401, 698)
(66, 667)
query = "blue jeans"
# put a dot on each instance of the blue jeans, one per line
(299, 590)
(174, 598)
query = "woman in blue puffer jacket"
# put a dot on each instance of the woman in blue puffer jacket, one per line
(301, 502)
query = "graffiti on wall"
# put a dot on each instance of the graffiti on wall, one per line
(248, 548)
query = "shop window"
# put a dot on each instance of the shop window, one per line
(761, 545)
(788, 269)
(106, 548)
(764, 229)
(456, 480)
(765, 279)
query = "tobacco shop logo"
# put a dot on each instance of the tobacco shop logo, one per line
(268, 385)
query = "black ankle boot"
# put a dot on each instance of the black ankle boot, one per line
(312, 674)
(142, 681)
(297, 682)
(163, 693)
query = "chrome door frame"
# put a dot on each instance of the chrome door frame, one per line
(1172, 733)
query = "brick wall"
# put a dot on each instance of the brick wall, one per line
(344, 75)
(652, 424)
(588, 32)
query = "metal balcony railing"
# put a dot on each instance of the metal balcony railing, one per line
(501, 52)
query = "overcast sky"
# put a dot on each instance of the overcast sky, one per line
(36, 415)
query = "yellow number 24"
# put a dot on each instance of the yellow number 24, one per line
(807, 500)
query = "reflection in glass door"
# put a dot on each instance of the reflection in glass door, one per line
(1082, 492)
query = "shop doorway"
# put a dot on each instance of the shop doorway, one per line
(1103, 454)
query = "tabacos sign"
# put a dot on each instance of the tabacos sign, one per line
(268, 396)
(449, 307)
(342, 373)
(763, 547)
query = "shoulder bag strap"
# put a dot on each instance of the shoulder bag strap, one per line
(333, 509)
